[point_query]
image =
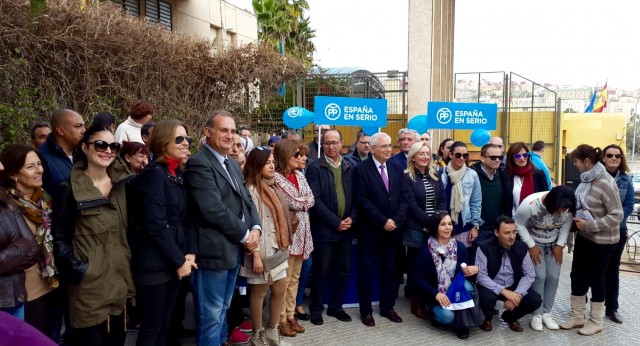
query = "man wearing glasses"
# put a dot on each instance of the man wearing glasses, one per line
(362, 150)
(498, 141)
(318, 131)
(493, 183)
(462, 187)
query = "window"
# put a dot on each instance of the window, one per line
(132, 7)
(158, 12)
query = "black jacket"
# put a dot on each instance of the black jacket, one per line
(417, 218)
(324, 214)
(157, 208)
(19, 250)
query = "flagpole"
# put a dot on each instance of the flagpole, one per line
(633, 144)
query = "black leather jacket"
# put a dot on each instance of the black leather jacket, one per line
(18, 251)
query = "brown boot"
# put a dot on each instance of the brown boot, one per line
(286, 330)
(417, 308)
(295, 326)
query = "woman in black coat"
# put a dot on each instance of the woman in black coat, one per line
(156, 234)
(19, 250)
(427, 195)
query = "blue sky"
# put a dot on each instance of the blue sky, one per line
(577, 42)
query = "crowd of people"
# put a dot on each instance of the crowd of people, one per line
(107, 228)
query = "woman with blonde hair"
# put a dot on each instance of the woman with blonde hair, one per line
(266, 268)
(293, 186)
(426, 197)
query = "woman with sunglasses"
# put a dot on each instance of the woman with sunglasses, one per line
(293, 186)
(156, 235)
(426, 197)
(598, 217)
(464, 196)
(136, 155)
(266, 268)
(90, 245)
(523, 178)
(543, 221)
(22, 178)
(616, 165)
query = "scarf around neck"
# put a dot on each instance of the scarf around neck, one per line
(271, 198)
(37, 209)
(526, 173)
(172, 164)
(445, 258)
(586, 178)
(455, 178)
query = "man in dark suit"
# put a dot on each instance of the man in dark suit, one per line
(222, 218)
(331, 219)
(381, 206)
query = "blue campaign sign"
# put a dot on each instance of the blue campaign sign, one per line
(462, 116)
(350, 111)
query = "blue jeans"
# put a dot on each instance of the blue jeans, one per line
(547, 277)
(305, 272)
(17, 311)
(212, 291)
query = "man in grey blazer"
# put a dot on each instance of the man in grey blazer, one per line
(223, 222)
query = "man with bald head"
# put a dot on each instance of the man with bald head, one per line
(57, 152)
(498, 141)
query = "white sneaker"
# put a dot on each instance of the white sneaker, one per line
(549, 322)
(536, 323)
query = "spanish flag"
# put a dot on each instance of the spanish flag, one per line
(601, 103)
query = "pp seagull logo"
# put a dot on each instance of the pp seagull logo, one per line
(294, 112)
(332, 111)
(443, 115)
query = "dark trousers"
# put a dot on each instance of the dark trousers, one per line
(332, 261)
(410, 289)
(612, 276)
(155, 305)
(108, 333)
(44, 314)
(377, 248)
(590, 262)
(178, 314)
(529, 303)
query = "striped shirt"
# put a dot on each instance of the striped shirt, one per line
(431, 197)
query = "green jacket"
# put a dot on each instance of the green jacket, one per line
(91, 246)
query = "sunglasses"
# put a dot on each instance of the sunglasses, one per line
(495, 158)
(459, 155)
(296, 154)
(261, 148)
(101, 146)
(181, 139)
(521, 156)
(617, 156)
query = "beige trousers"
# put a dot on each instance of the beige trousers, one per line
(293, 276)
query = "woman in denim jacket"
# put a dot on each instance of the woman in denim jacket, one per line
(464, 197)
(616, 164)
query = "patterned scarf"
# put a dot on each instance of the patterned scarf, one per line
(526, 173)
(455, 178)
(446, 269)
(38, 210)
(582, 192)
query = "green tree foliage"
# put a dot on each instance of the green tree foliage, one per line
(283, 21)
(102, 59)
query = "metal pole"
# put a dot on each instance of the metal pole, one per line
(635, 134)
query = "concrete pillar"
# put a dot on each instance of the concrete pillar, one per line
(430, 66)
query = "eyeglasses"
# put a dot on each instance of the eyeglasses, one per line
(180, 139)
(495, 158)
(383, 147)
(459, 155)
(101, 146)
(331, 144)
(261, 148)
(521, 156)
(296, 154)
(617, 156)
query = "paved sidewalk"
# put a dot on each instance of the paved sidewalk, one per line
(414, 331)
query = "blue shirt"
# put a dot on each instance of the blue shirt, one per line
(537, 161)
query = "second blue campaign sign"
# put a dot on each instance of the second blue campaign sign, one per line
(350, 111)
